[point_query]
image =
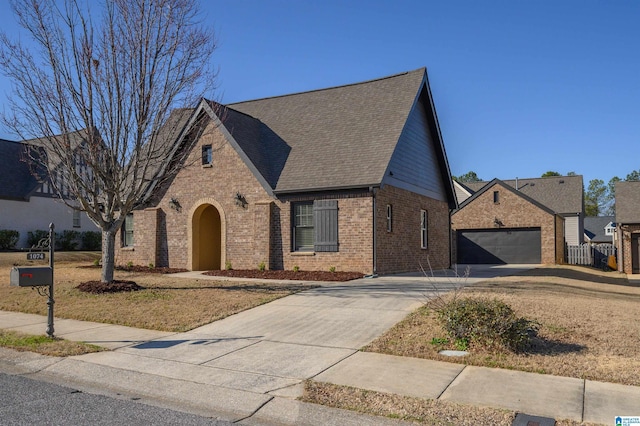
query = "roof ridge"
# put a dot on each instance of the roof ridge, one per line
(330, 88)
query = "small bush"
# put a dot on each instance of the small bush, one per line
(487, 322)
(67, 240)
(8, 239)
(332, 269)
(91, 240)
(228, 266)
(262, 266)
(296, 268)
(34, 237)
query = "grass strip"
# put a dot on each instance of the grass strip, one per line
(45, 345)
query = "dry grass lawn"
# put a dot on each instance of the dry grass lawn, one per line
(166, 303)
(589, 326)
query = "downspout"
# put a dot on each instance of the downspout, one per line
(373, 192)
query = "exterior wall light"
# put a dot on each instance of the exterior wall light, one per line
(175, 205)
(240, 200)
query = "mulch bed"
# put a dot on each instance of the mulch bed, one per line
(155, 270)
(287, 275)
(138, 268)
(115, 286)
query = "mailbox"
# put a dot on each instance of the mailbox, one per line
(31, 276)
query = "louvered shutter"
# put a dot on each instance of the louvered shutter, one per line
(325, 218)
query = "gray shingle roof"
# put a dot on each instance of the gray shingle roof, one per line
(16, 180)
(488, 185)
(562, 194)
(594, 228)
(331, 138)
(627, 202)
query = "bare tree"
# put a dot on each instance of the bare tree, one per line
(95, 90)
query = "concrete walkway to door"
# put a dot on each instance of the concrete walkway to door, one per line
(250, 367)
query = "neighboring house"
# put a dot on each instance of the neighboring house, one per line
(29, 205)
(628, 226)
(352, 177)
(462, 192)
(599, 229)
(531, 225)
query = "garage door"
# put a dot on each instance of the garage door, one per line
(493, 246)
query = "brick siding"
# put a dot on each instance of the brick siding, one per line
(625, 234)
(513, 211)
(261, 231)
(400, 250)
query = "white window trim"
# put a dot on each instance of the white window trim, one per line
(76, 219)
(424, 229)
(389, 218)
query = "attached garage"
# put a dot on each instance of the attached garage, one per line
(495, 246)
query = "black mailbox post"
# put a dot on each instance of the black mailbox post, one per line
(39, 277)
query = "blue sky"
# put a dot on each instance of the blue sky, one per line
(520, 87)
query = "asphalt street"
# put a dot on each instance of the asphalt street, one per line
(24, 401)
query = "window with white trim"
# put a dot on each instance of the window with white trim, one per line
(303, 227)
(424, 229)
(76, 219)
(127, 231)
(207, 155)
(389, 217)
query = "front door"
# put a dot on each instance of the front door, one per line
(206, 236)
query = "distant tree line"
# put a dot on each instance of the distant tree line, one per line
(599, 198)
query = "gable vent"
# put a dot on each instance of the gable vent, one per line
(562, 181)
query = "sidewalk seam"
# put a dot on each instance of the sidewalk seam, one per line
(451, 382)
(584, 397)
(254, 411)
(332, 365)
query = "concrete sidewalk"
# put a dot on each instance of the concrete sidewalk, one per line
(250, 367)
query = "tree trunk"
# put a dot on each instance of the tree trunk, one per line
(108, 255)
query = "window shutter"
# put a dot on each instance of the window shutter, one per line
(325, 217)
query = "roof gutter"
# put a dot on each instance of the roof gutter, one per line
(367, 187)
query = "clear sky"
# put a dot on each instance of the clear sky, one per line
(520, 87)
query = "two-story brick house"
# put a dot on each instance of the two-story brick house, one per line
(353, 177)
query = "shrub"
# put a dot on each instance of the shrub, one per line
(34, 237)
(262, 266)
(91, 240)
(487, 322)
(228, 266)
(332, 269)
(296, 268)
(67, 240)
(8, 239)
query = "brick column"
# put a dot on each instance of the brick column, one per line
(262, 233)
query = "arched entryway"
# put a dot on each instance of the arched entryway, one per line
(207, 226)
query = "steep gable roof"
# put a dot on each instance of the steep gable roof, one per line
(562, 194)
(341, 137)
(627, 202)
(16, 180)
(489, 185)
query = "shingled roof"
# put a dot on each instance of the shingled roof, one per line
(594, 228)
(627, 202)
(562, 194)
(341, 137)
(16, 180)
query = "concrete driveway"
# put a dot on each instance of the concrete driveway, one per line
(277, 345)
(239, 364)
